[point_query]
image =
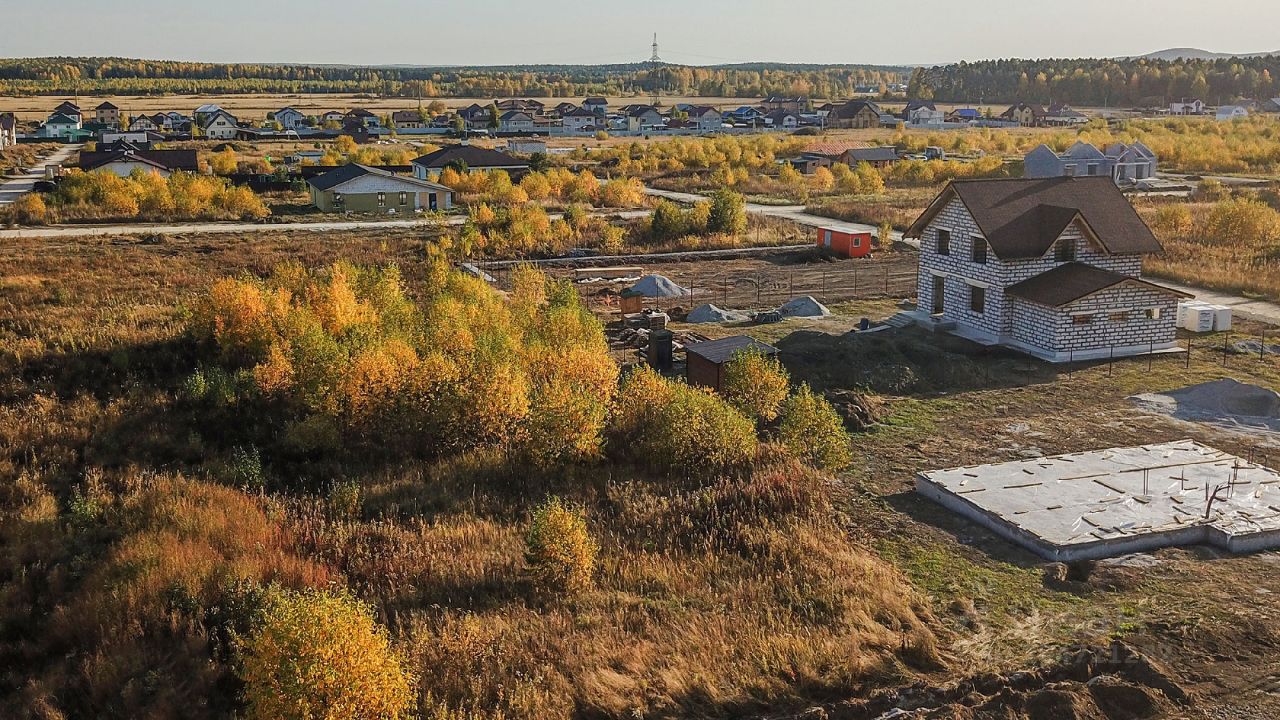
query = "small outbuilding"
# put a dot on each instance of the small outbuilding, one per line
(705, 361)
(844, 242)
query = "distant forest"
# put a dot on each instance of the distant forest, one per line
(121, 76)
(1113, 83)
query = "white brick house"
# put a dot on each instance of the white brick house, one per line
(1049, 266)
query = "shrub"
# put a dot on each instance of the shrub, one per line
(1240, 220)
(674, 427)
(321, 654)
(147, 195)
(559, 550)
(756, 385)
(812, 431)
(30, 209)
(728, 213)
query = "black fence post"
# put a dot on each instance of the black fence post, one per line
(1224, 349)
(1190, 341)
(1111, 360)
(1150, 351)
(824, 285)
(1262, 346)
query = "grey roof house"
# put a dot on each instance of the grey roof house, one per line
(1125, 164)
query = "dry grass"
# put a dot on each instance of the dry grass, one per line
(899, 206)
(124, 533)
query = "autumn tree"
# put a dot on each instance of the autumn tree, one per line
(812, 430)
(728, 213)
(319, 654)
(755, 384)
(560, 553)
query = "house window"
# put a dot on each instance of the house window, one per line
(977, 299)
(1119, 316)
(1081, 319)
(404, 198)
(337, 199)
(1093, 169)
(1064, 250)
(1152, 313)
(944, 242)
(382, 199)
(1069, 170)
(979, 250)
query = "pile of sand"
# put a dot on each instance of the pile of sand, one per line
(658, 286)
(709, 313)
(1226, 403)
(805, 306)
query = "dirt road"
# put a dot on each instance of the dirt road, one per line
(794, 213)
(11, 190)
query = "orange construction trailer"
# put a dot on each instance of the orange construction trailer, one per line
(845, 242)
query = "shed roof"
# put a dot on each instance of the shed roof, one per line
(723, 350)
(1072, 281)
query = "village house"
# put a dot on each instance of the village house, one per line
(528, 106)
(1231, 112)
(1024, 114)
(1050, 266)
(219, 125)
(793, 104)
(644, 117)
(782, 120)
(364, 189)
(361, 118)
(964, 115)
(333, 117)
(123, 158)
(877, 157)
(922, 112)
(204, 112)
(515, 121)
(596, 105)
(466, 158)
(289, 118)
(475, 116)
(143, 123)
(107, 114)
(135, 138)
(407, 120)
(855, 114)
(1063, 116)
(1187, 106)
(579, 119)
(706, 119)
(70, 109)
(1123, 163)
(747, 115)
(60, 126)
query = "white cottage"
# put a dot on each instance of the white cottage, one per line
(220, 125)
(1049, 266)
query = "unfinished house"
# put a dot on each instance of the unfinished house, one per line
(1051, 267)
(1125, 164)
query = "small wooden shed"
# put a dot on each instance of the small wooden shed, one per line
(705, 361)
(844, 242)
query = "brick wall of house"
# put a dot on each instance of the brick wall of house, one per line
(962, 272)
(1105, 330)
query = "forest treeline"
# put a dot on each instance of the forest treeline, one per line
(1092, 82)
(64, 75)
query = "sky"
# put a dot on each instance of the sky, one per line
(693, 32)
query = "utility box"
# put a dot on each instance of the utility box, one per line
(661, 343)
(631, 302)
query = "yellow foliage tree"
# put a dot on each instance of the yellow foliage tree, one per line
(812, 431)
(559, 550)
(756, 385)
(317, 654)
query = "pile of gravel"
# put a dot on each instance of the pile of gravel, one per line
(709, 313)
(658, 286)
(1226, 403)
(805, 306)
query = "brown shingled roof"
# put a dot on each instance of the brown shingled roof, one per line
(1074, 280)
(1022, 218)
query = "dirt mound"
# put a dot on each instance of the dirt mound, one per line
(858, 411)
(709, 313)
(1226, 403)
(805, 306)
(1112, 683)
(658, 286)
(895, 362)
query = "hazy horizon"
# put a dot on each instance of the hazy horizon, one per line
(433, 33)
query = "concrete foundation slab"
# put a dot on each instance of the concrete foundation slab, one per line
(1117, 501)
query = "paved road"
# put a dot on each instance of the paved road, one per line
(207, 228)
(794, 213)
(11, 190)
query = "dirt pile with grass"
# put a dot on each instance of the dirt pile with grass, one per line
(1093, 684)
(1225, 403)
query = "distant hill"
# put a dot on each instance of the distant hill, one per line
(1197, 54)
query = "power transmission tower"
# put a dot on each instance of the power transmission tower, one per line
(655, 59)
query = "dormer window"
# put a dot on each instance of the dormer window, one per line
(1064, 250)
